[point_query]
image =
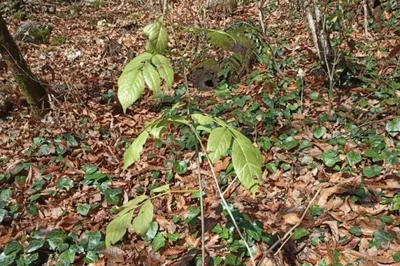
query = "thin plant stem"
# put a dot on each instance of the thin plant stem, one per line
(224, 203)
(198, 159)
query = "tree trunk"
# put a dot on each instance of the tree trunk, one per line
(33, 91)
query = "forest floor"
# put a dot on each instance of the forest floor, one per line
(334, 174)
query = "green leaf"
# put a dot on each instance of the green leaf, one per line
(219, 142)
(319, 132)
(231, 259)
(164, 68)
(355, 230)
(387, 219)
(130, 87)
(112, 195)
(157, 36)
(393, 126)
(83, 209)
(91, 257)
(142, 221)
(382, 237)
(220, 39)
(132, 154)
(68, 256)
(151, 77)
(246, 160)
(330, 157)
(34, 245)
(396, 257)
(316, 210)
(116, 228)
(93, 240)
(55, 238)
(160, 189)
(12, 247)
(64, 183)
(138, 62)
(173, 237)
(372, 171)
(353, 158)
(3, 214)
(202, 119)
(132, 204)
(153, 229)
(265, 143)
(158, 242)
(290, 143)
(299, 233)
(179, 167)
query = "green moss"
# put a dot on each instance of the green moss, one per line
(58, 40)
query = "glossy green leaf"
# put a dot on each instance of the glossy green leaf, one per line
(12, 247)
(83, 209)
(353, 158)
(112, 195)
(233, 260)
(116, 229)
(142, 221)
(164, 69)
(93, 240)
(180, 167)
(55, 238)
(355, 230)
(151, 77)
(330, 157)
(132, 154)
(319, 132)
(218, 143)
(3, 214)
(382, 237)
(393, 126)
(130, 87)
(246, 160)
(68, 256)
(34, 245)
(372, 171)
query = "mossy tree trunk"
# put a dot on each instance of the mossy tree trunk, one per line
(33, 91)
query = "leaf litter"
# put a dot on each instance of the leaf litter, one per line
(86, 68)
